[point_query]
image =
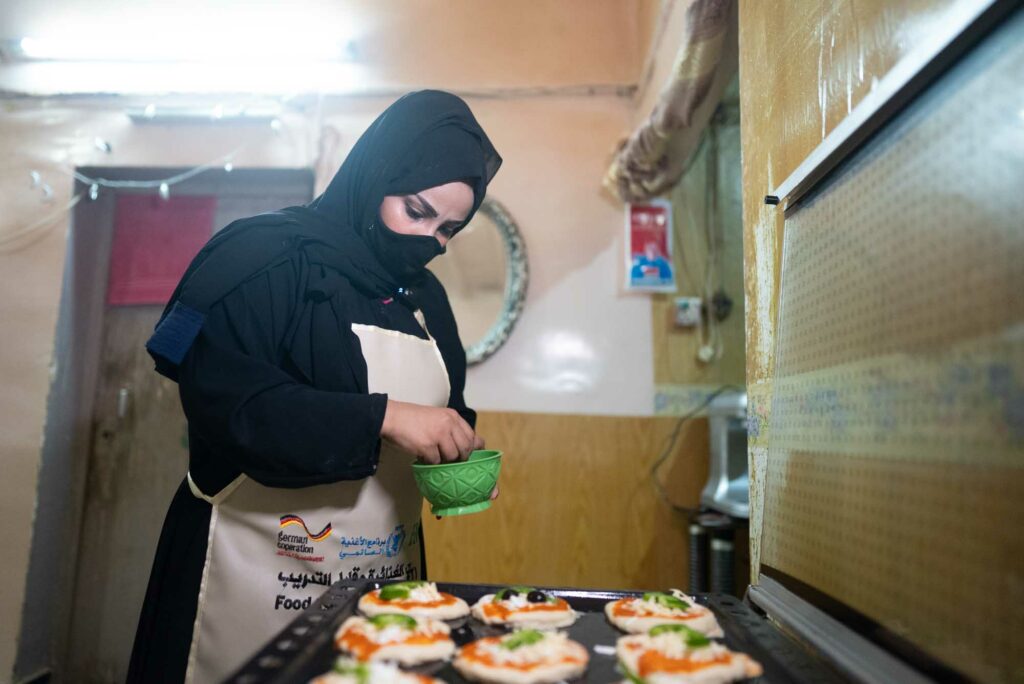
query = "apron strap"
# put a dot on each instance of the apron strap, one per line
(219, 496)
(418, 315)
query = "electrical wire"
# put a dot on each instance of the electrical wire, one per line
(15, 240)
(711, 235)
(219, 162)
(672, 438)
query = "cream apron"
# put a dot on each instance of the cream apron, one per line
(272, 551)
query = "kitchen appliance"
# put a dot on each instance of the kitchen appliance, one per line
(727, 488)
(725, 500)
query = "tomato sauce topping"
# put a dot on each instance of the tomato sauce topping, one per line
(445, 600)
(475, 652)
(654, 661)
(500, 610)
(624, 608)
(362, 647)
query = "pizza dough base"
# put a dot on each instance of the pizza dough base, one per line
(451, 611)
(717, 674)
(418, 654)
(705, 623)
(547, 619)
(740, 666)
(550, 674)
(404, 654)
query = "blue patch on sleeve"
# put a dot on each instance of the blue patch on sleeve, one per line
(174, 336)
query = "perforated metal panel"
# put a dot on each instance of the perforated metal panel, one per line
(896, 465)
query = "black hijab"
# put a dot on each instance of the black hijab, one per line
(424, 139)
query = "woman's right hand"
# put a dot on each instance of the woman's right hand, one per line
(432, 435)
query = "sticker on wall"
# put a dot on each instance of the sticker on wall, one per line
(649, 247)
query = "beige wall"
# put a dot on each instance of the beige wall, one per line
(800, 74)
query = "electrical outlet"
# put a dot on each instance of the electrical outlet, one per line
(688, 312)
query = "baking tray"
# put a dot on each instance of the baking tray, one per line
(305, 648)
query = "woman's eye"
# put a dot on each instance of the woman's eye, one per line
(447, 231)
(412, 213)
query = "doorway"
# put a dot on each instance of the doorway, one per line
(116, 438)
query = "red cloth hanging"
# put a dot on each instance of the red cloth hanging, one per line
(154, 242)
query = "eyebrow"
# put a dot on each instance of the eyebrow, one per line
(428, 208)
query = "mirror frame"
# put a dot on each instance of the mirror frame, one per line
(516, 280)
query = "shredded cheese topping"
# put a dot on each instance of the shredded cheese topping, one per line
(425, 594)
(517, 601)
(669, 654)
(674, 646)
(396, 633)
(362, 638)
(641, 607)
(554, 647)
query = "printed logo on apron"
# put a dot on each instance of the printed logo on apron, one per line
(271, 551)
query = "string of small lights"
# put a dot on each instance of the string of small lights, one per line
(21, 237)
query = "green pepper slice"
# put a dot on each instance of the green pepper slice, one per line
(399, 590)
(360, 671)
(666, 600)
(393, 619)
(630, 675)
(523, 637)
(691, 636)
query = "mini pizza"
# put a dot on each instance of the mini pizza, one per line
(524, 607)
(404, 639)
(421, 599)
(527, 656)
(638, 615)
(348, 671)
(675, 654)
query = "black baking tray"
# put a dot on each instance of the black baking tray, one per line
(305, 648)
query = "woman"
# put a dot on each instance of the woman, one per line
(314, 354)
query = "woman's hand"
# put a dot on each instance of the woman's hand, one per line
(432, 435)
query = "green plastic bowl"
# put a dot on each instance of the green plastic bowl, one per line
(460, 487)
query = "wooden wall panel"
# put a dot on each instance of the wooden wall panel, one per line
(577, 507)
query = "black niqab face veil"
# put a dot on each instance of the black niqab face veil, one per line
(425, 139)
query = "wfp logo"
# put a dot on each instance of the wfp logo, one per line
(290, 520)
(389, 546)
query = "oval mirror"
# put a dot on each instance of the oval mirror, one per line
(485, 274)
